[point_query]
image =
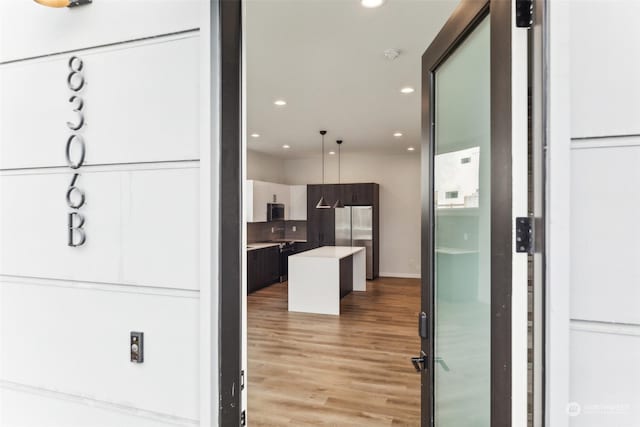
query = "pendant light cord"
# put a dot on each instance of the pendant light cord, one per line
(322, 160)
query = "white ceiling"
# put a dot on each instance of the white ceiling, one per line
(326, 59)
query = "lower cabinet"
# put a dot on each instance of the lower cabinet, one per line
(263, 268)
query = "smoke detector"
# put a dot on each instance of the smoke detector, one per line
(391, 54)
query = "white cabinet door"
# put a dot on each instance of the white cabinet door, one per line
(298, 205)
(261, 197)
(259, 193)
(248, 200)
(282, 195)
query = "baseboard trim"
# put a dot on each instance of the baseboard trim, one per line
(401, 275)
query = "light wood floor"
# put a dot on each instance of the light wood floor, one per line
(347, 370)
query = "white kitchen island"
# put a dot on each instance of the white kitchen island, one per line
(319, 278)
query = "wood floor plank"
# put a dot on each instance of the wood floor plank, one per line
(347, 370)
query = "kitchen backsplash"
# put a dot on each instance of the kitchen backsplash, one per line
(275, 231)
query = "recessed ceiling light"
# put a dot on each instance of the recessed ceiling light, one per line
(410, 149)
(280, 102)
(397, 134)
(407, 89)
(255, 135)
(331, 153)
(286, 147)
(371, 3)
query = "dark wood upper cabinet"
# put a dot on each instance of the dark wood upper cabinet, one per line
(362, 194)
(355, 194)
(313, 214)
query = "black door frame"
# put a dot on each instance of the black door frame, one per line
(227, 14)
(461, 23)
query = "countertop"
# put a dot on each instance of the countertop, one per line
(254, 246)
(336, 252)
(262, 245)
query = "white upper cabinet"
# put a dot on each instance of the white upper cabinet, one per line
(259, 193)
(28, 29)
(298, 206)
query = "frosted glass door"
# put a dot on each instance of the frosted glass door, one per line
(462, 234)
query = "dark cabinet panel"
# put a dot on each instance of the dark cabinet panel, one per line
(327, 216)
(375, 191)
(362, 194)
(313, 218)
(272, 265)
(346, 276)
(263, 268)
(344, 192)
(356, 194)
(252, 271)
(320, 222)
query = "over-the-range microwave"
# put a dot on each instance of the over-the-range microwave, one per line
(275, 212)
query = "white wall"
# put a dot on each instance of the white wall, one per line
(604, 206)
(399, 179)
(66, 313)
(557, 210)
(265, 167)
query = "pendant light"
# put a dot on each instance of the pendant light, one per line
(322, 204)
(338, 203)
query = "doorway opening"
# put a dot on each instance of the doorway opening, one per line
(353, 72)
(332, 156)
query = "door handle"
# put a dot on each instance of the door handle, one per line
(420, 362)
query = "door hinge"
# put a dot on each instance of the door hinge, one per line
(525, 242)
(243, 418)
(242, 380)
(524, 13)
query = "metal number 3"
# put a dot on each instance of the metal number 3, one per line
(77, 103)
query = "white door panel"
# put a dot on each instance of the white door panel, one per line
(605, 88)
(141, 227)
(141, 104)
(605, 376)
(74, 339)
(605, 272)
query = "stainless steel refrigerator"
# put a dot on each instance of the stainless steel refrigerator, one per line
(354, 227)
